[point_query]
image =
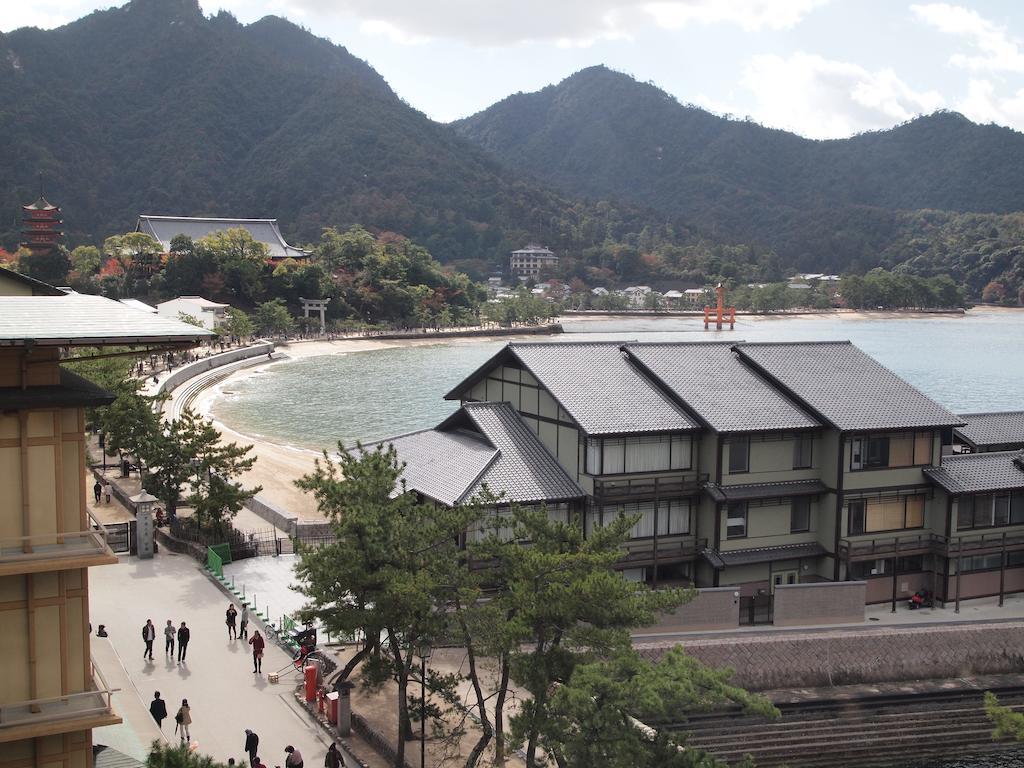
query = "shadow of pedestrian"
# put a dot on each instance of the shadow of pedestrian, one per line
(183, 671)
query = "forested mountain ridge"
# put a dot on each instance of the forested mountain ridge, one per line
(832, 205)
(154, 108)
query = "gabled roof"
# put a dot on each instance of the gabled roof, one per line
(846, 388)
(979, 472)
(482, 444)
(75, 319)
(38, 287)
(42, 204)
(139, 305)
(595, 384)
(266, 231)
(715, 386)
(197, 300)
(997, 428)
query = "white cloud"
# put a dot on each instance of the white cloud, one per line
(995, 50)
(821, 98)
(565, 22)
(982, 105)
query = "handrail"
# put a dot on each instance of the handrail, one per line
(21, 547)
(33, 708)
(937, 543)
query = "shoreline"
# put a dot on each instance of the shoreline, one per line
(279, 464)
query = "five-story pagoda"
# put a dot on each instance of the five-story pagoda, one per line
(41, 221)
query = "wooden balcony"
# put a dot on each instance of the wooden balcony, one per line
(607, 491)
(662, 550)
(56, 551)
(930, 543)
(61, 714)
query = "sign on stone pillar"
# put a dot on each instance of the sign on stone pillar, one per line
(144, 523)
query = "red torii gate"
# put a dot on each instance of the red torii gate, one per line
(720, 312)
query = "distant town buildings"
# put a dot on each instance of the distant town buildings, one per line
(529, 261)
(41, 223)
(166, 228)
(211, 314)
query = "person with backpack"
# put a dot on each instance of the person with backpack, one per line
(148, 636)
(183, 718)
(158, 709)
(258, 644)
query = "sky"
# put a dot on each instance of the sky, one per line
(821, 68)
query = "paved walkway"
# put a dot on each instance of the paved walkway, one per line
(216, 678)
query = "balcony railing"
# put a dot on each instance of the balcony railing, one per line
(670, 548)
(54, 715)
(20, 552)
(636, 488)
(968, 544)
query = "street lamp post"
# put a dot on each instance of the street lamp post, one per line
(424, 656)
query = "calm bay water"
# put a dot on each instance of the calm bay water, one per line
(969, 363)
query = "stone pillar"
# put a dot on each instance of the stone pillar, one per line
(344, 690)
(144, 532)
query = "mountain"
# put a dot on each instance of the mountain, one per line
(154, 108)
(821, 204)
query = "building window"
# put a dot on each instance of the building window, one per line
(910, 449)
(890, 513)
(989, 510)
(657, 453)
(802, 452)
(739, 455)
(800, 514)
(867, 568)
(736, 521)
(673, 517)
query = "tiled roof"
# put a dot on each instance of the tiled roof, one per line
(979, 472)
(1000, 428)
(595, 384)
(39, 288)
(482, 444)
(166, 228)
(713, 383)
(766, 490)
(720, 559)
(846, 387)
(524, 471)
(442, 465)
(76, 319)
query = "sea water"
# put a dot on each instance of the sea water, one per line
(968, 363)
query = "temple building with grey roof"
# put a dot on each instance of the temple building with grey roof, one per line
(745, 465)
(165, 228)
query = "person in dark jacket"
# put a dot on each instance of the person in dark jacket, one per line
(148, 636)
(183, 638)
(333, 758)
(252, 744)
(258, 644)
(158, 709)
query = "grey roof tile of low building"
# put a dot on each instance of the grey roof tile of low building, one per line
(779, 490)
(76, 319)
(441, 465)
(979, 472)
(711, 380)
(996, 428)
(525, 471)
(166, 228)
(600, 389)
(846, 387)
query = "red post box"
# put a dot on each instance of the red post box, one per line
(310, 677)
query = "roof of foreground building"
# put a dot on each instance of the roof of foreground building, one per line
(846, 387)
(482, 445)
(979, 472)
(718, 388)
(997, 428)
(75, 319)
(595, 384)
(266, 231)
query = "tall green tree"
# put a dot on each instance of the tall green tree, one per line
(272, 318)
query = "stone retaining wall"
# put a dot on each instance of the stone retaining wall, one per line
(859, 656)
(205, 364)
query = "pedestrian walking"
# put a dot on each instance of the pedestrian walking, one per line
(333, 758)
(158, 709)
(184, 719)
(294, 757)
(169, 634)
(230, 615)
(184, 635)
(97, 489)
(258, 644)
(243, 623)
(148, 636)
(252, 745)
(106, 492)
